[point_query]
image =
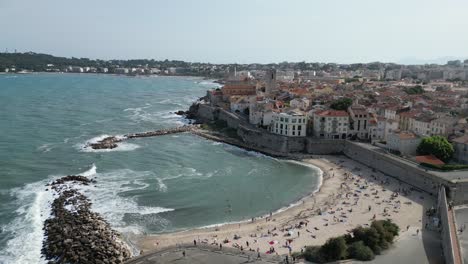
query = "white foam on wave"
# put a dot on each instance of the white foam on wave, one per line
(45, 148)
(161, 186)
(92, 171)
(33, 209)
(108, 199)
(26, 228)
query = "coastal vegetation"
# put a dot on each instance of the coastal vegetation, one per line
(446, 167)
(363, 243)
(437, 146)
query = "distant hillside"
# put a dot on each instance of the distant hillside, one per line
(38, 62)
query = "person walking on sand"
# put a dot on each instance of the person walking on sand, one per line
(183, 253)
(220, 246)
(195, 242)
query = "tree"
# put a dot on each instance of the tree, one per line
(359, 251)
(414, 90)
(334, 249)
(437, 146)
(342, 104)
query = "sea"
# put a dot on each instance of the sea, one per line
(144, 186)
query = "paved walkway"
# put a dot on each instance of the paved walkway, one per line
(412, 248)
(201, 254)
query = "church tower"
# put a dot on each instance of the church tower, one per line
(270, 82)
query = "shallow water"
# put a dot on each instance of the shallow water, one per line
(147, 185)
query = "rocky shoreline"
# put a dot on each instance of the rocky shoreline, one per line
(75, 234)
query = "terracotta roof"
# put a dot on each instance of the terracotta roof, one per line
(406, 135)
(332, 113)
(430, 159)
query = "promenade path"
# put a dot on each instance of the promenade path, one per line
(202, 254)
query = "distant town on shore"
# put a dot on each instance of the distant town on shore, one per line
(454, 71)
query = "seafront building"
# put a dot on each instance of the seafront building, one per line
(291, 124)
(387, 111)
(331, 124)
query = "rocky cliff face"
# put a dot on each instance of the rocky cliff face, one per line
(75, 234)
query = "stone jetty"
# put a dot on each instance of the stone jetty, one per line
(111, 142)
(75, 234)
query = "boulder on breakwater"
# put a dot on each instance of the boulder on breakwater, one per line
(106, 143)
(75, 234)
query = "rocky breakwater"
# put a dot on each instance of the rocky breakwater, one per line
(75, 234)
(106, 143)
(111, 142)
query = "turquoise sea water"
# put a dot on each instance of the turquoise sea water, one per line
(147, 185)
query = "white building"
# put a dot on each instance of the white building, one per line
(404, 142)
(291, 124)
(331, 124)
(239, 104)
(260, 113)
(383, 127)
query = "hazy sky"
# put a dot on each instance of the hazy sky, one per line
(239, 30)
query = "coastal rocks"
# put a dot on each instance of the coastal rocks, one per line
(192, 112)
(106, 143)
(75, 234)
(180, 112)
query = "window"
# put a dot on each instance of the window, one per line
(281, 119)
(293, 133)
(299, 127)
(299, 133)
(293, 120)
(281, 126)
(294, 127)
(286, 119)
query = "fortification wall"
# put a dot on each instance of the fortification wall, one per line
(447, 241)
(403, 170)
(231, 119)
(324, 146)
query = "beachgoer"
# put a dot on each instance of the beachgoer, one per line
(183, 253)
(194, 242)
(220, 246)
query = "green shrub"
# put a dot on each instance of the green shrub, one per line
(334, 249)
(359, 251)
(446, 167)
(437, 146)
(312, 254)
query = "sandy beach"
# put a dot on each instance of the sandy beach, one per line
(351, 195)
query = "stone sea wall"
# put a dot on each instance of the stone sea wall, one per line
(403, 170)
(446, 232)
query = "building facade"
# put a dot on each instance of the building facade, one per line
(291, 124)
(331, 124)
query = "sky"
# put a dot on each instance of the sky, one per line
(239, 31)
